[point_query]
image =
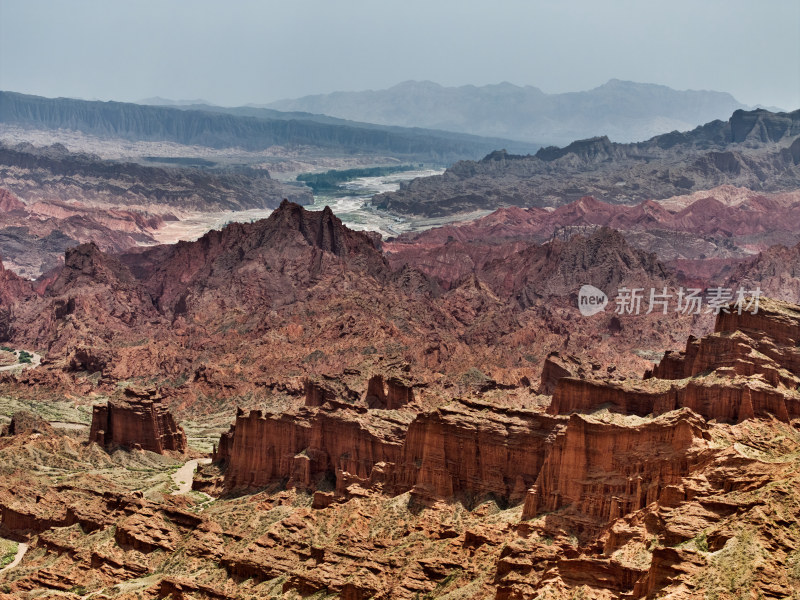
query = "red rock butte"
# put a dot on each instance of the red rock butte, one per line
(138, 421)
(746, 370)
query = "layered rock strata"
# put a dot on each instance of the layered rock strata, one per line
(393, 393)
(464, 449)
(139, 421)
(713, 397)
(602, 470)
(747, 369)
(556, 367)
(307, 448)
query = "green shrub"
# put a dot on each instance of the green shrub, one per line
(8, 550)
(474, 377)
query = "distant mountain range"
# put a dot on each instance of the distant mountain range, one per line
(624, 111)
(757, 150)
(246, 128)
(55, 173)
(159, 101)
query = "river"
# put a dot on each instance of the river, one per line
(351, 205)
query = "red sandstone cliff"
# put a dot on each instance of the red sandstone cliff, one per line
(604, 470)
(139, 420)
(713, 397)
(463, 449)
(750, 367)
(306, 447)
(471, 449)
(393, 393)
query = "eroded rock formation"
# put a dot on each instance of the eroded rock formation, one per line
(140, 421)
(464, 449)
(474, 450)
(12, 287)
(469, 449)
(393, 393)
(24, 422)
(750, 367)
(624, 482)
(603, 470)
(309, 446)
(557, 367)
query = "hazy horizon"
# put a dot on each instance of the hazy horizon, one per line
(180, 101)
(251, 52)
(186, 101)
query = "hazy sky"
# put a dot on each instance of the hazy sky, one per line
(238, 52)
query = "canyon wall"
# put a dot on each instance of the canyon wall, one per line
(139, 420)
(604, 470)
(712, 398)
(472, 448)
(461, 449)
(602, 449)
(309, 446)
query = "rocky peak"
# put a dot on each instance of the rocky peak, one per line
(272, 260)
(12, 287)
(605, 250)
(587, 204)
(763, 126)
(9, 202)
(320, 229)
(501, 155)
(596, 148)
(603, 259)
(87, 264)
(776, 272)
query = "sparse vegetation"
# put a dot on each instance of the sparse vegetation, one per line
(794, 565)
(733, 568)
(701, 542)
(8, 550)
(474, 377)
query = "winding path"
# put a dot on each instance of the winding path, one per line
(183, 476)
(22, 548)
(36, 360)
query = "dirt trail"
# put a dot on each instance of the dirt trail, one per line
(36, 360)
(21, 550)
(183, 476)
(68, 425)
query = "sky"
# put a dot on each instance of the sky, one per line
(238, 52)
